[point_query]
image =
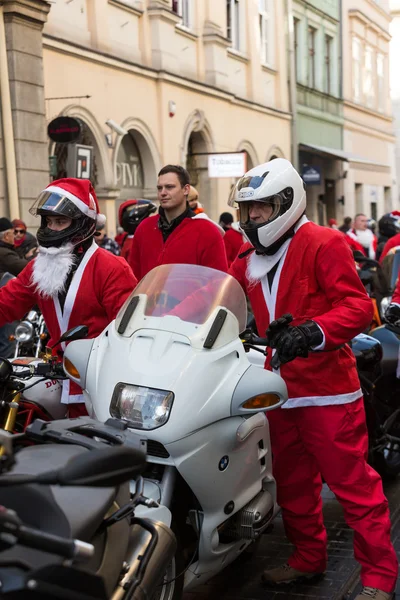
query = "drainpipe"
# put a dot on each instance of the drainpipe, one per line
(292, 83)
(8, 133)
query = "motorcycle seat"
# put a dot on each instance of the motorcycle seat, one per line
(75, 512)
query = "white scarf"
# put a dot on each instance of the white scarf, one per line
(365, 237)
(51, 268)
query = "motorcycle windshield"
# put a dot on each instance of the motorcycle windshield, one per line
(190, 292)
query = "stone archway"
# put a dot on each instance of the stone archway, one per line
(140, 138)
(197, 143)
(251, 153)
(274, 152)
(95, 135)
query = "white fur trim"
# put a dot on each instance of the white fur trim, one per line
(323, 400)
(51, 268)
(84, 208)
(101, 220)
(207, 218)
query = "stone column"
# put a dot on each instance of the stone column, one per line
(24, 20)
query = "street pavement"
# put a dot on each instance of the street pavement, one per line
(241, 580)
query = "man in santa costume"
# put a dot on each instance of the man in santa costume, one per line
(176, 234)
(292, 266)
(362, 236)
(72, 280)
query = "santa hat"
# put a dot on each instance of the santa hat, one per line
(81, 193)
(123, 206)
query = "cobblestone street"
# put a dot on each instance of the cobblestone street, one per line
(241, 581)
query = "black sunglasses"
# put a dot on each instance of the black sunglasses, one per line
(19, 231)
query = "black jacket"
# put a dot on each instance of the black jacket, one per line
(10, 260)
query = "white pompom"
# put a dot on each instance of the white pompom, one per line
(100, 220)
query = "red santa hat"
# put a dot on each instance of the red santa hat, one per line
(82, 194)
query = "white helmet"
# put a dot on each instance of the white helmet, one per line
(277, 184)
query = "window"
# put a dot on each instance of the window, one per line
(183, 9)
(296, 34)
(380, 76)
(328, 64)
(369, 94)
(356, 55)
(265, 20)
(311, 56)
(232, 20)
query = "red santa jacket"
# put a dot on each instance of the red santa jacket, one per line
(193, 242)
(316, 279)
(233, 241)
(391, 243)
(126, 246)
(100, 286)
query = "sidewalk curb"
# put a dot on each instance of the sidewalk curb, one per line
(349, 587)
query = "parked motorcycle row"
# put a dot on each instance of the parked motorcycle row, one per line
(170, 477)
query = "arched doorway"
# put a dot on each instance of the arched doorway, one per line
(64, 163)
(197, 166)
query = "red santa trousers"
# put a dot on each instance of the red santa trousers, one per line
(332, 442)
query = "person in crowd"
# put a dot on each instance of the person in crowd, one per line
(332, 223)
(72, 280)
(24, 242)
(363, 236)
(101, 238)
(392, 314)
(193, 200)
(233, 239)
(175, 235)
(130, 214)
(347, 225)
(10, 259)
(389, 234)
(293, 268)
(121, 235)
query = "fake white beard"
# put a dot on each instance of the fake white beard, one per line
(51, 268)
(365, 237)
(259, 265)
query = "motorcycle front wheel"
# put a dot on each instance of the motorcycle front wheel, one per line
(171, 587)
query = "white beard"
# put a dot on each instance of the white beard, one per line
(51, 268)
(365, 237)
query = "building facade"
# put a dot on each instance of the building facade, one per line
(369, 143)
(176, 80)
(317, 46)
(395, 81)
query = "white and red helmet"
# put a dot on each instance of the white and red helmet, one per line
(71, 198)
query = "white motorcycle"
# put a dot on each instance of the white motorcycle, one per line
(172, 366)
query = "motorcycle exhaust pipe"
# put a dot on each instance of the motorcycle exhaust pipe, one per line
(153, 546)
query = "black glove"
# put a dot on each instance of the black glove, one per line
(392, 314)
(292, 342)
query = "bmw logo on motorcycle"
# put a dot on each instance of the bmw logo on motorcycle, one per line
(223, 463)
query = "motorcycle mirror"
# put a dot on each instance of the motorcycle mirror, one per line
(106, 467)
(6, 369)
(76, 333)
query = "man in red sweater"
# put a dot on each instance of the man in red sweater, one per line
(175, 235)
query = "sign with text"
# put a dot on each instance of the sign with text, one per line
(64, 130)
(227, 165)
(311, 175)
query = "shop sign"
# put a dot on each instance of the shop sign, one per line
(227, 165)
(311, 175)
(64, 130)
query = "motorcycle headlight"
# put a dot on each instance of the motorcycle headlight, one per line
(385, 303)
(24, 332)
(141, 407)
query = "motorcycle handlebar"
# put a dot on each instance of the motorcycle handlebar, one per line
(12, 531)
